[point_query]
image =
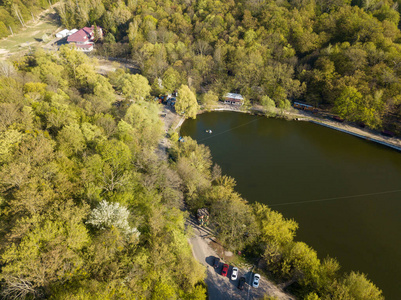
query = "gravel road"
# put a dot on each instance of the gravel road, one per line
(223, 288)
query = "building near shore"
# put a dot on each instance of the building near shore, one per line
(234, 99)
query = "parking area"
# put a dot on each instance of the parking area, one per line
(222, 287)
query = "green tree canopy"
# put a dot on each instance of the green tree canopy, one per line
(186, 103)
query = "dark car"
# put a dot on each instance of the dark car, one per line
(241, 283)
(216, 262)
(225, 270)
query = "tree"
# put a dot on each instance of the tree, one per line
(312, 296)
(361, 288)
(209, 99)
(49, 253)
(135, 87)
(144, 119)
(269, 105)
(186, 103)
(34, 91)
(274, 228)
(71, 140)
(300, 264)
(230, 215)
(171, 80)
(108, 215)
(9, 140)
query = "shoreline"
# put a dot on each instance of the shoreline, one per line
(397, 148)
(366, 134)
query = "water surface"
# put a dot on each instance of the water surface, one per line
(344, 192)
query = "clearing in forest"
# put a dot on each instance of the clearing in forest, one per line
(31, 36)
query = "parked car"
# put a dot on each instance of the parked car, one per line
(241, 283)
(234, 273)
(225, 270)
(216, 262)
(256, 279)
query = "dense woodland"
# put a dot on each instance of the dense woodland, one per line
(89, 211)
(338, 55)
(15, 14)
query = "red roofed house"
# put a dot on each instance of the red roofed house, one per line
(84, 38)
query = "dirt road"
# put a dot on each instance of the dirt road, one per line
(223, 288)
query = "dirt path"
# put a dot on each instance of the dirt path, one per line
(222, 288)
(171, 121)
(30, 35)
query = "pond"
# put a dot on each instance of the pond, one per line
(345, 192)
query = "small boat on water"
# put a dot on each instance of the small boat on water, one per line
(208, 131)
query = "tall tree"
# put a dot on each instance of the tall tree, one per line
(186, 103)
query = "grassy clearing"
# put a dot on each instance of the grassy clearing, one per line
(31, 36)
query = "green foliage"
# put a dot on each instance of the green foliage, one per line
(79, 181)
(361, 288)
(231, 216)
(291, 50)
(186, 103)
(49, 252)
(71, 139)
(135, 87)
(312, 296)
(171, 80)
(209, 99)
(300, 262)
(62, 142)
(269, 105)
(353, 106)
(274, 229)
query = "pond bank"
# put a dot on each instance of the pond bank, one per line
(337, 187)
(292, 114)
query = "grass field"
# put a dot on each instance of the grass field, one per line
(31, 36)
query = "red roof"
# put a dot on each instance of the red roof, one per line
(83, 35)
(84, 46)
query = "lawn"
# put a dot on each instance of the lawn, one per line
(31, 36)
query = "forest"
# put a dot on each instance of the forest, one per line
(89, 211)
(342, 56)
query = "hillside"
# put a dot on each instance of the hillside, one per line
(339, 55)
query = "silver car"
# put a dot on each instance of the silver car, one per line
(256, 279)
(234, 273)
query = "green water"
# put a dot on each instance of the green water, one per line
(344, 192)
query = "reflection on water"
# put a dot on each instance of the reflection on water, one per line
(277, 162)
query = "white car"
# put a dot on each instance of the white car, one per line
(256, 279)
(234, 273)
